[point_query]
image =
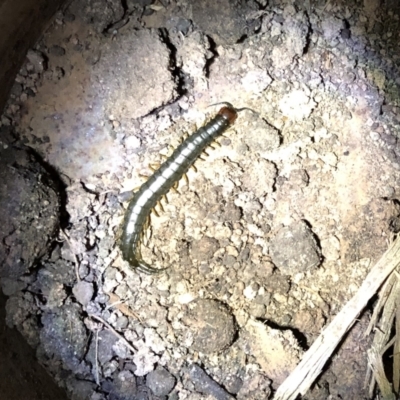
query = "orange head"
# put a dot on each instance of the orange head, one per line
(229, 113)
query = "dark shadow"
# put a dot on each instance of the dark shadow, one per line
(22, 377)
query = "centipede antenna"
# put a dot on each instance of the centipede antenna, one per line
(248, 109)
(224, 103)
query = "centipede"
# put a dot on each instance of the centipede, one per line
(137, 216)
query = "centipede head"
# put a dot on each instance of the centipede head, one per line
(230, 112)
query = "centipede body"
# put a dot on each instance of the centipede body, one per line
(169, 173)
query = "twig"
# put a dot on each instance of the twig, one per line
(382, 324)
(72, 251)
(304, 375)
(396, 352)
(119, 304)
(96, 358)
(376, 364)
(119, 336)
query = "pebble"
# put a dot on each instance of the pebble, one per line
(37, 60)
(132, 142)
(211, 325)
(250, 293)
(294, 249)
(374, 135)
(57, 50)
(83, 292)
(160, 381)
(125, 386)
(205, 384)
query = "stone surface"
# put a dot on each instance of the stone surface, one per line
(294, 249)
(29, 211)
(83, 291)
(211, 324)
(206, 385)
(160, 381)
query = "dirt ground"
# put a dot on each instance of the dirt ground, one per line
(272, 233)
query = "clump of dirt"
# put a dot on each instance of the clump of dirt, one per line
(30, 213)
(266, 241)
(211, 326)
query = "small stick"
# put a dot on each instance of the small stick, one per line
(121, 306)
(96, 358)
(119, 336)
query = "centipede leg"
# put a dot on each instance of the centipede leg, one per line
(186, 179)
(155, 212)
(217, 143)
(161, 206)
(154, 167)
(143, 267)
(149, 270)
(147, 223)
(147, 236)
(175, 187)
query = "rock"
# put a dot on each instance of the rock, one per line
(144, 359)
(277, 352)
(101, 14)
(106, 341)
(11, 286)
(261, 178)
(154, 341)
(211, 324)
(80, 389)
(29, 211)
(193, 55)
(207, 385)
(294, 249)
(203, 248)
(83, 292)
(57, 51)
(63, 336)
(297, 105)
(295, 31)
(331, 27)
(139, 84)
(256, 81)
(125, 386)
(224, 21)
(261, 136)
(160, 381)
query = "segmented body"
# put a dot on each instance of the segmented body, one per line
(170, 172)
